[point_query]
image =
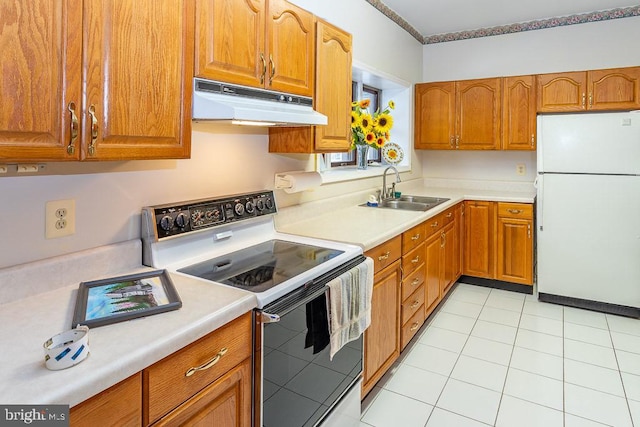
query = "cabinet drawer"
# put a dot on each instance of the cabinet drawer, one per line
(165, 383)
(433, 225)
(413, 304)
(411, 282)
(386, 253)
(413, 260)
(515, 210)
(449, 215)
(410, 328)
(413, 237)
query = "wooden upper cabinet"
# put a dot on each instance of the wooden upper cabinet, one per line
(562, 92)
(230, 39)
(595, 90)
(290, 43)
(332, 98)
(83, 82)
(458, 115)
(519, 113)
(138, 98)
(41, 46)
(614, 89)
(260, 43)
(479, 104)
(435, 112)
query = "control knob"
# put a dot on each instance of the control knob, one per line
(260, 204)
(269, 203)
(166, 223)
(238, 208)
(182, 220)
(250, 207)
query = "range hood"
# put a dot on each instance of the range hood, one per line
(217, 101)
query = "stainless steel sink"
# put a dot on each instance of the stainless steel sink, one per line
(411, 203)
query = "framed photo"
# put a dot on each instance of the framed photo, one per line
(107, 301)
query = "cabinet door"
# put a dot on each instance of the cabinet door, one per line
(614, 89)
(41, 46)
(333, 88)
(382, 338)
(519, 113)
(450, 254)
(458, 239)
(290, 44)
(435, 116)
(229, 43)
(478, 239)
(138, 68)
(479, 108)
(119, 405)
(515, 250)
(434, 272)
(226, 402)
(562, 92)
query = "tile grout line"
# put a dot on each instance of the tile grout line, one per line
(624, 388)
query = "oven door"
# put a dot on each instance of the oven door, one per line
(300, 384)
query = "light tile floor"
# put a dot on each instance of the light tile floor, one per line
(499, 358)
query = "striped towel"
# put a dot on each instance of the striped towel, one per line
(349, 304)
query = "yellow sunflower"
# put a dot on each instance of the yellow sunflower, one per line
(366, 122)
(364, 103)
(384, 123)
(380, 141)
(392, 105)
(355, 120)
(370, 137)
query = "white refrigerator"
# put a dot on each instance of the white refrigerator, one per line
(588, 211)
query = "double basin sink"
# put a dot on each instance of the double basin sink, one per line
(410, 203)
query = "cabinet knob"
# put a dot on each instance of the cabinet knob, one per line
(415, 237)
(416, 259)
(415, 282)
(450, 214)
(434, 225)
(414, 326)
(415, 304)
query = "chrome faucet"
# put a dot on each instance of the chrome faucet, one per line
(389, 193)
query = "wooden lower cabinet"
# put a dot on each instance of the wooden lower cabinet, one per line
(225, 402)
(514, 252)
(479, 239)
(382, 338)
(119, 405)
(434, 272)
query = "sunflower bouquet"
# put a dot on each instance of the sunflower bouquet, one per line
(369, 130)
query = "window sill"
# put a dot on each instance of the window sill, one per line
(351, 173)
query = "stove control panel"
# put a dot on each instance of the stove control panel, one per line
(175, 219)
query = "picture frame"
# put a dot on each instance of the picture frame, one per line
(118, 299)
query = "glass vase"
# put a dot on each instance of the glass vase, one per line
(362, 153)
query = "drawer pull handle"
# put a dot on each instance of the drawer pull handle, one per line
(515, 211)
(416, 237)
(415, 281)
(385, 256)
(416, 260)
(435, 224)
(450, 214)
(414, 326)
(415, 304)
(207, 365)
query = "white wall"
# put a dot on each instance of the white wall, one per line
(605, 44)
(224, 160)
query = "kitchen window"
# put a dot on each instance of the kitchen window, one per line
(360, 91)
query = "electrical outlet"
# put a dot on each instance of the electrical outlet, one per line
(521, 169)
(60, 218)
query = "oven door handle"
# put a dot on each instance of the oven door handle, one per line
(269, 317)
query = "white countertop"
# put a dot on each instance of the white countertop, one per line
(117, 351)
(369, 227)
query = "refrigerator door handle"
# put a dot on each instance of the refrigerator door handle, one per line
(539, 184)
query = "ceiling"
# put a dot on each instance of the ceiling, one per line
(425, 19)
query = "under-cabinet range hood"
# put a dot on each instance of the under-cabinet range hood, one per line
(216, 101)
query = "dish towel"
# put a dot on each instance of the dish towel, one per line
(349, 304)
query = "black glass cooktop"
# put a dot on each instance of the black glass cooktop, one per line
(263, 266)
